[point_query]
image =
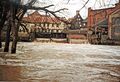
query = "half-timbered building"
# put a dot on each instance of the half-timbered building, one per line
(45, 26)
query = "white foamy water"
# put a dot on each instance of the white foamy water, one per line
(51, 62)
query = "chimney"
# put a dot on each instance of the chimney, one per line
(89, 9)
(77, 12)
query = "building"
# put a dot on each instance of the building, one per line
(45, 26)
(114, 24)
(77, 31)
(102, 26)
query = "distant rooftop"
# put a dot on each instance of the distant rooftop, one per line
(36, 17)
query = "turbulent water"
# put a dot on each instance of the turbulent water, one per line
(51, 62)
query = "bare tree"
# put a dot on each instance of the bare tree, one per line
(3, 14)
(14, 10)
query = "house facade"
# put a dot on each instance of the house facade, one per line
(45, 26)
(103, 25)
(77, 31)
(114, 24)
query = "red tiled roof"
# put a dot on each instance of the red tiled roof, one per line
(35, 17)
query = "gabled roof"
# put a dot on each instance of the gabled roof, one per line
(104, 22)
(99, 16)
(36, 17)
(115, 11)
(36, 13)
(76, 17)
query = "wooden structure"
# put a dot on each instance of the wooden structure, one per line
(77, 31)
(44, 26)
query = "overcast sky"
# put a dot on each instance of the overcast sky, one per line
(74, 5)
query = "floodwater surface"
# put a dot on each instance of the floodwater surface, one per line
(51, 62)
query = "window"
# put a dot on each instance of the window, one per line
(42, 25)
(116, 20)
(80, 25)
(84, 24)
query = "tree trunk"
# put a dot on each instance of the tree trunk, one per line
(15, 39)
(0, 38)
(7, 40)
(1, 26)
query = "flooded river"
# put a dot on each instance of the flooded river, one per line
(51, 62)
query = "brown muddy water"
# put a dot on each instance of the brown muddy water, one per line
(51, 62)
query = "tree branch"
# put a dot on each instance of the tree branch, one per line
(61, 10)
(48, 6)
